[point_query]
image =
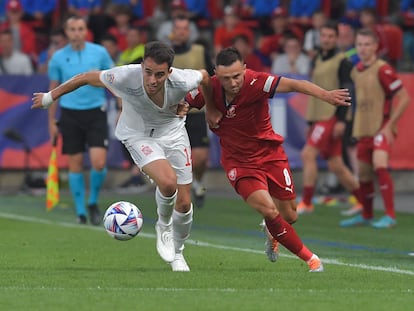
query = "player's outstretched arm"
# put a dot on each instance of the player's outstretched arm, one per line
(44, 100)
(339, 97)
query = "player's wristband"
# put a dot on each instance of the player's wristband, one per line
(47, 100)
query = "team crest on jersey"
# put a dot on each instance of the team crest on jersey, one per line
(231, 112)
(110, 77)
(146, 150)
(232, 174)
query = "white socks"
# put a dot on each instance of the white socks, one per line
(181, 228)
(181, 222)
(165, 207)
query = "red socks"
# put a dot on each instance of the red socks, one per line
(386, 187)
(367, 198)
(357, 194)
(308, 194)
(284, 233)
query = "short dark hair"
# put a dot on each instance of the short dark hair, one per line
(369, 33)
(228, 56)
(331, 25)
(57, 32)
(160, 52)
(109, 37)
(181, 17)
(74, 18)
(241, 37)
(6, 31)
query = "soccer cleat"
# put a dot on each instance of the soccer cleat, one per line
(302, 208)
(355, 221)
(272, 249)
(384, 222)
(179, 264)
(330, 201)
(411, 254)
(271, 245)
(352, 200)
(94, 214)
(81, 220)
(199, 196)
(356, 209)
(165, 242)
(315, 264)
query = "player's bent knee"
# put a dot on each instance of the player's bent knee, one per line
(268, 213)
(167, 191)
(291, 218)
(183, 207)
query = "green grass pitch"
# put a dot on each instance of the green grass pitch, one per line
(48, 262)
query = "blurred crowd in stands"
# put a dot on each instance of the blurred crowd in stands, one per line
(280, 36)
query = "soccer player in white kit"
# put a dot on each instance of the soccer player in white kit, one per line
(153, 133)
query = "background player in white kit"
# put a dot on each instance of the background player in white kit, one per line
(153, 133)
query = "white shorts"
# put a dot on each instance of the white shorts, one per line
(177, 151)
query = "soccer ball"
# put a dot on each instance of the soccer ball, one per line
(123, 220)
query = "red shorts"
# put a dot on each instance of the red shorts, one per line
(320, 137)
(274, 177)
(367, 145)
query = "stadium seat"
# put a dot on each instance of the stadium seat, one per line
(326, 7)
(149, 8)
(382, 9)
(215, 9)
(394, 41)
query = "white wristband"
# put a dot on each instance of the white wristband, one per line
(47, 100)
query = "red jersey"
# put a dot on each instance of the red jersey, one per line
(246, 134)
(27, 38)
(224, 37)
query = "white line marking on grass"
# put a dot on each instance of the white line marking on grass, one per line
(134, 289)
(208, 289)
(324, 260)
(206, 244)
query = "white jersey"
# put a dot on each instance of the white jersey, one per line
(140, 116)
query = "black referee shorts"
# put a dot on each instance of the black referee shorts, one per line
(82, 129)
(196, 126)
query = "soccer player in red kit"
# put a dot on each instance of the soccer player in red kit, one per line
(376, 83)
(252, 153)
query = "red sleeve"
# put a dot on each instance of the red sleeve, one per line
(389, 80)
(195, 99)
(267, 83)
(28, 40)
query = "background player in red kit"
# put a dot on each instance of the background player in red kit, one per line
(252, 153)
(376, 83)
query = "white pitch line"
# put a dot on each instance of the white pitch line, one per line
(206, 244)
(208, 289)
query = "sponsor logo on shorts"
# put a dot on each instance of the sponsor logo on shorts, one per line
(289, 189)
(378, 139)
(232, 174)
(146, 150)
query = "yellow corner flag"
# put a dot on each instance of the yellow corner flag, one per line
(52, 181)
